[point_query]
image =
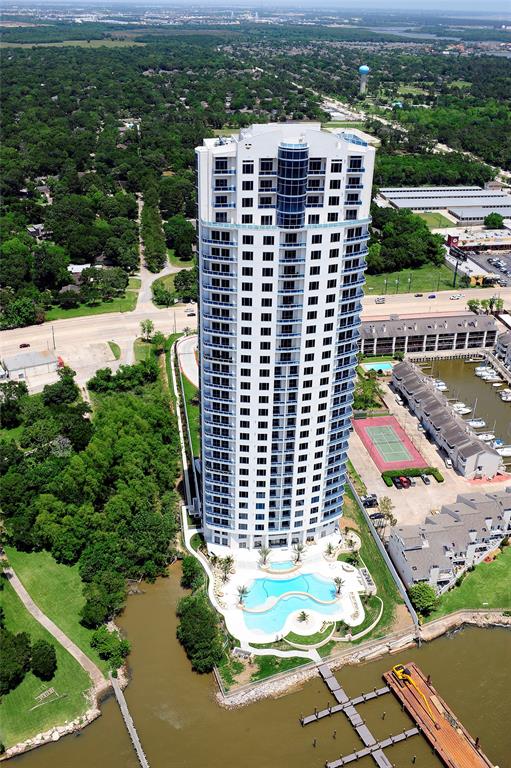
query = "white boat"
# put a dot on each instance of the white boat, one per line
(504, 451)
(482, 369)
(441, 388)
(486, 437)
(476, 423)
(497, 383)
(506, 399)
(498, 443)
(461, 408)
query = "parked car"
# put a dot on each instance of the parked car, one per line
(369, 501)
(448, 463)
(397, 482)
(398, 400)
(432, 296)
(24, 345)
(455, 297)
(413, 481)
(419, 295)
(405, 481)
(377, 516)
(380, 300)
(425, 479)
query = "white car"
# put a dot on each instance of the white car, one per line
(455, 297)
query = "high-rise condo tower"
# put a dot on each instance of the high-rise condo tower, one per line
(283, 213)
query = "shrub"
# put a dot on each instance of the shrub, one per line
(110, 646)
(423, 598)
(192, 576)
(388, 474)
(198, 632)
(44, 660)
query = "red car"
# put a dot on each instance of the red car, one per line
(405, 482)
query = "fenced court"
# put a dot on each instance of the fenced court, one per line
(387, 443)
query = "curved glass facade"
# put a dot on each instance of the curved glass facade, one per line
(292, 168)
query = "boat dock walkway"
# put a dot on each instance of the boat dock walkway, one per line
(372, 747)
(128, 721)
(449, 739)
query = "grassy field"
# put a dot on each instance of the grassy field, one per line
(435, 220)
(317, 637)
(270, 665)
(57, 590)
(488, 586)
(126, 303)
(423, 280)
(344, 124)
(116, 350)
(76, 44)
(142, 350)
(21, 716)
(193, 411)
(411, 90)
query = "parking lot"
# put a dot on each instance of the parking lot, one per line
(497, 262)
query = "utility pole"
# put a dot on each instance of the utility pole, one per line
(53, 335)
(455, 274)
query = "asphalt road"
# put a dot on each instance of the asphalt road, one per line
(407, 305)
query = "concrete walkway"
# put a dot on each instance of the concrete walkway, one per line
(186, 348)
(97, 677)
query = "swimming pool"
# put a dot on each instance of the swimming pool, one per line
(281, 598)
(386, 367)
(284, 565)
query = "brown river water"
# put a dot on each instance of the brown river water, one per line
(181, 725)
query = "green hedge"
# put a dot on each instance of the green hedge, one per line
(412, 472)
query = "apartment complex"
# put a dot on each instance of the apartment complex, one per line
(283, 229)
(448, 543)
(503, 349)
(428, 334)
(470, 457)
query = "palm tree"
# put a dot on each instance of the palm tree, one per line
(330, 549)
(226, 564)
(339, 584)
(303, 616)
(264, 554)
(242, 593)
(298, 549)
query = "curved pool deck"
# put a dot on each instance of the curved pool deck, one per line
(272, 605)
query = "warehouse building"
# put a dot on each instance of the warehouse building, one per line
(460, 536)
(470, 457)
(26, 364)
(468, 205)
(429, 334)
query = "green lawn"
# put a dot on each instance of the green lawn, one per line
(193, 411)
(411, 90)
(488, 586)
(20, 715)
(385, 584)
(317, 637)
(344, 124)
(176, 261)
(126, 303)
(271, 665)
(116, 350)
(142, 349)
(422, 280)
(435, 220)
(57, 590)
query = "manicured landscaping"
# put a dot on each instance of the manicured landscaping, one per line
(22, 715)
(192, 409)
(316, 637)
(435, 220)
(116, 350)
(385, 584)
(487, 586)
(57, 590)
(422, 280)
(411, 472)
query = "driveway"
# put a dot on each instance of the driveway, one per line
(186, 352)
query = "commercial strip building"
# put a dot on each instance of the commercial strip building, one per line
(428, 334)
(26, 364)
(467, 205)
(460, 536)
(283, 229)
(470, 457)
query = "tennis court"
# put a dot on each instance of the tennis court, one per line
(387, 443)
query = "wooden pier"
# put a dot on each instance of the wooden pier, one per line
(128, 721)
(448, 738)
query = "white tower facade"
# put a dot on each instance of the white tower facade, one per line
(283, 228)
